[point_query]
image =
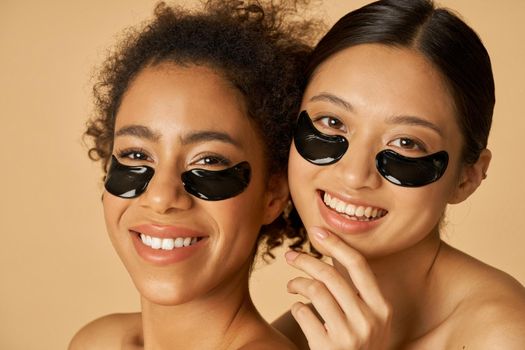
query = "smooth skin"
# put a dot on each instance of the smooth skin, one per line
(393, 284)
(173, 119)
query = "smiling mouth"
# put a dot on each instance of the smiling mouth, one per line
(351, 211)
(167, 243)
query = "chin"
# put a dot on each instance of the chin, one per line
(166, 294)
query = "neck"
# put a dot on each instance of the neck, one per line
(211, 321)
(405, 279)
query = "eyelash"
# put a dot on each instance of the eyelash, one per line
(326, 123)
(126, 153)
(140, 154)
(218, 160)
(419, 145)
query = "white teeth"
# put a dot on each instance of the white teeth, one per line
(350, 210)
(156, 242)
(179, 242)
(167, 243)
(360, 212)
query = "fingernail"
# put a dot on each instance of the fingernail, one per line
(319, 233)
(291, 255)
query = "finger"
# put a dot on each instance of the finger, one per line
(344, 294)
(358, 269)
(312, 327)
(323, 302)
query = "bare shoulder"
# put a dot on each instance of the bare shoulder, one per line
(492, 324)
(266, 337)
(275, 343)
(115, 331)
(492, 313)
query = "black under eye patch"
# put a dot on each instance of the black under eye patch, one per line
(322, 149)
(316, 147)
(131, 181)
(217, 185)
(127, 181)
(411, 172)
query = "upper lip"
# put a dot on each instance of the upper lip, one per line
(165, 231)
(353, 201)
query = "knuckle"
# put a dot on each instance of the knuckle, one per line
(385, 311)
(327, 272)
(315, 288)
(367, 331)
(350, 343)
(347, 340)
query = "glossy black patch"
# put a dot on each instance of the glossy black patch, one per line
(411, 172)
(316, 147)
(127, 181)
(131, 181)
(217, 185)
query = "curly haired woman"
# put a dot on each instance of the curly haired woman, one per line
(193, 127)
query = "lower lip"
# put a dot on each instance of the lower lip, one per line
(341, 224)
(165, 257)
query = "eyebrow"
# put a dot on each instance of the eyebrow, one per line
(328, 97)
(139, 131)
(205, 135)
(144, 132)
(413, 120)
(401, 119)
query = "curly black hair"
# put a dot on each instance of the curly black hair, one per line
(261, 48)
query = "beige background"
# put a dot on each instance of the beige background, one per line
(57, 267)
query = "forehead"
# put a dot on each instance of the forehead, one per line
(170, 97)
(386, 80)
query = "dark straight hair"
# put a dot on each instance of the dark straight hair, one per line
(440, 36)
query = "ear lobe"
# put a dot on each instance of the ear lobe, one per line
(276, 198)
(471, 177)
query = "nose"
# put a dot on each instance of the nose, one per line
(165, 192)
(357, 170)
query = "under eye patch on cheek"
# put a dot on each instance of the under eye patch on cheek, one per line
(316, 147)
(127, 181)
(217, 185)
(411, 172)
(323, 149)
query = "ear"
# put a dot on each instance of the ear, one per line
(277, 196)
(471, 177)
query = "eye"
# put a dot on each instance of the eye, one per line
(331, 123)
(133, 154)
(212, 160)
(407, 144)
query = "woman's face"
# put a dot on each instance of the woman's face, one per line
(377, 98)
(174, 119)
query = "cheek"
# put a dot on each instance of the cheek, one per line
(421, 208)
(241, 216)
(299, 172)
(301, 181)
(114, 209)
